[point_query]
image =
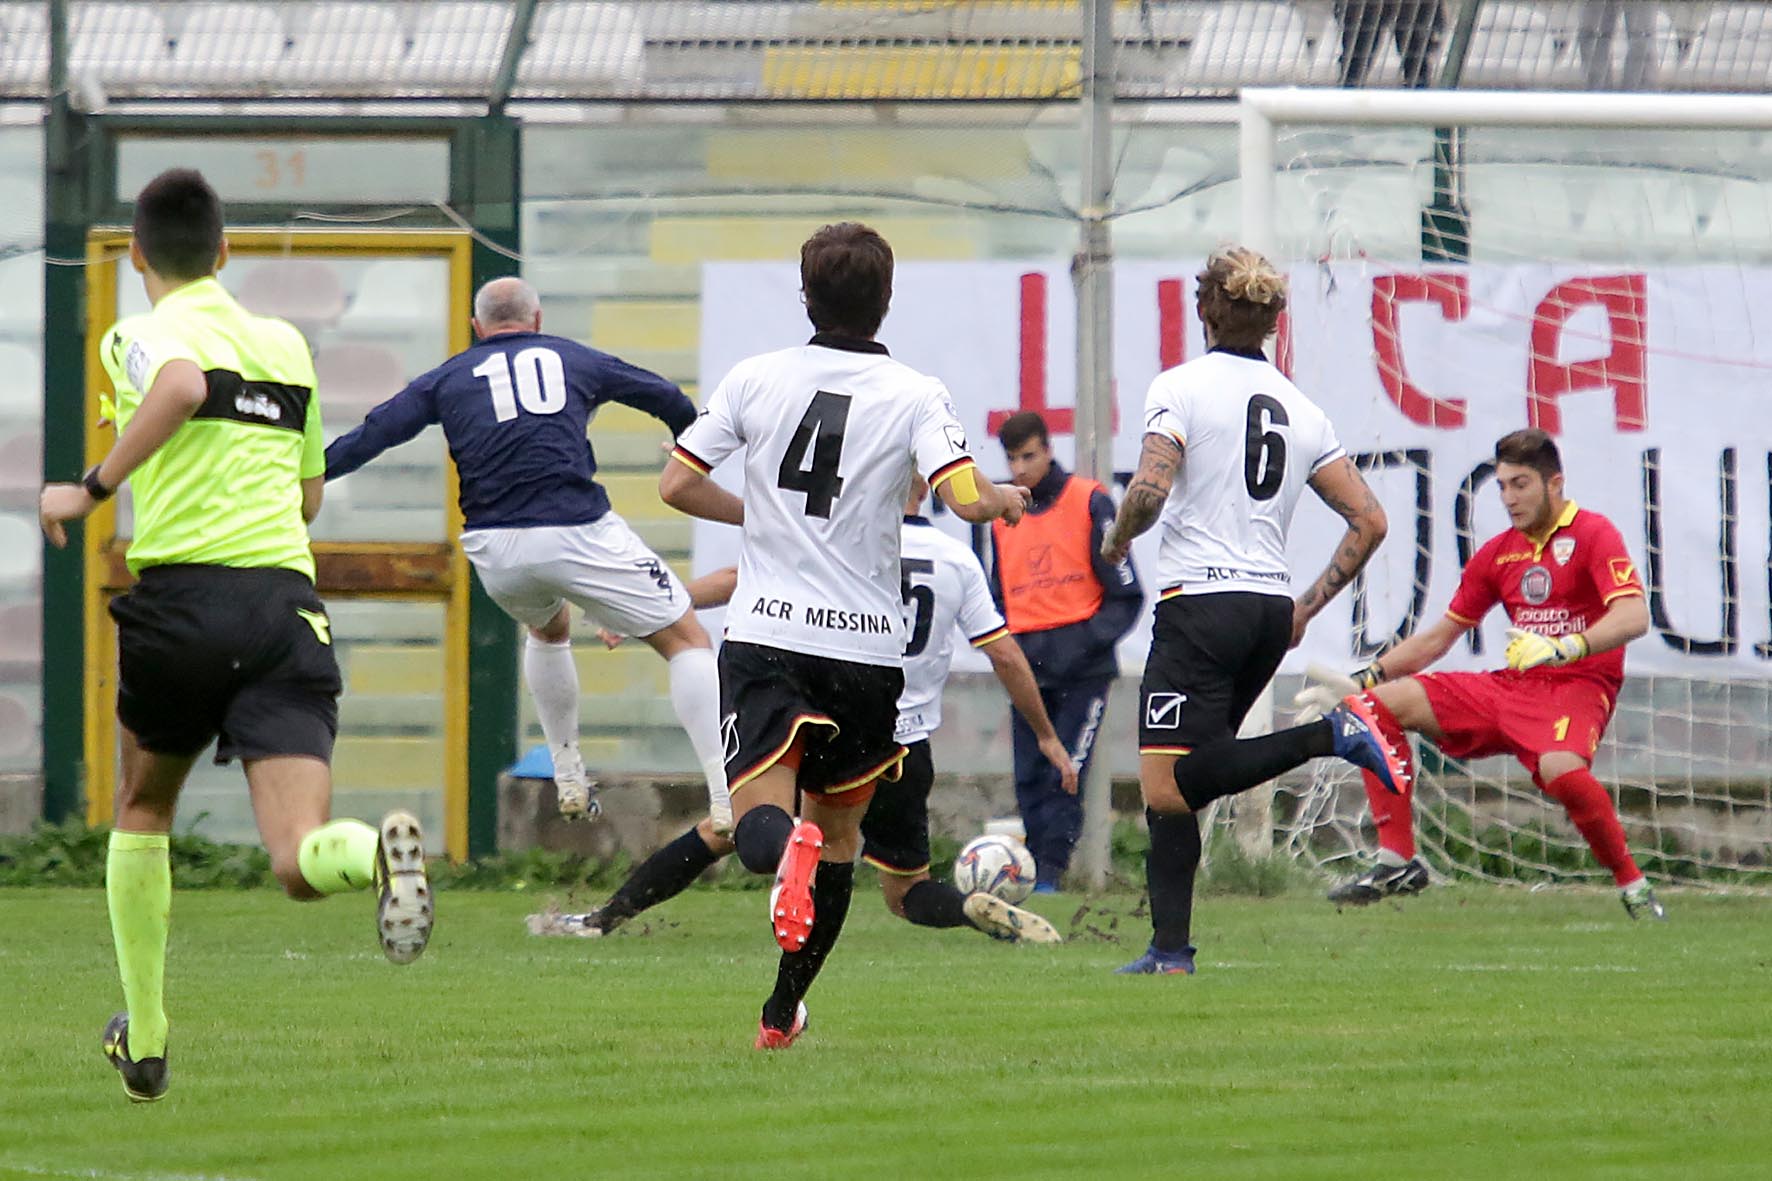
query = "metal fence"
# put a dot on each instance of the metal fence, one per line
(846, 50)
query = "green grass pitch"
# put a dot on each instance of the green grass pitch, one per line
(1470, 1033)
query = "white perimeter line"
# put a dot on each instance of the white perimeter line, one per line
(107, 1174)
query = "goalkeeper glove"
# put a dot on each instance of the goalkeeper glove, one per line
(1325, 689)
(1529, 649)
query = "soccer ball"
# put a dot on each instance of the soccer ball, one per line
(995, 865)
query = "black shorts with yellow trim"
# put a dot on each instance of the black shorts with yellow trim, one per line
(837, 714)
(895, 831)
(1211, 656)
(241, 657)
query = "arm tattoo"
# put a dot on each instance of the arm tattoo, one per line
(1356, 545)
(1149, 488)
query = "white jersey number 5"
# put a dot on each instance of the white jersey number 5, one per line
(540, 386)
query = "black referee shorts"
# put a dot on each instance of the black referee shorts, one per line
(895, 831)
(243, 655)
(1211, 656)
(842, 713)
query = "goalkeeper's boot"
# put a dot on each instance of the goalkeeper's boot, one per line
(790, 901)
(1640, 901)
(1003, 920)
(1382, 881)
(403, 912)
(780, 1039)
(574, 790)
(1354, 731)
(1160, 963)
(144, 1079)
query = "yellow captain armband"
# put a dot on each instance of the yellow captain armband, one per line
(965, 485)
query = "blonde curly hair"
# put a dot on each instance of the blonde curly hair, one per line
(1240, 297)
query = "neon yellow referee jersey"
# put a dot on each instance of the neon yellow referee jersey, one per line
(225, 490)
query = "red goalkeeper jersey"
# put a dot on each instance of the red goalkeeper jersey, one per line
(1557, 585)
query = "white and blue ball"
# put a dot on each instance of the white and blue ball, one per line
(995, 865)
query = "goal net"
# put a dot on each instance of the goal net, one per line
(1610, 281)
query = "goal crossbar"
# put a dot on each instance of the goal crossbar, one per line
(1261, 109)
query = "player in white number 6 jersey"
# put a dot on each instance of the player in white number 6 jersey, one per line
(1225, 615)
(813, 662)
(537, 525)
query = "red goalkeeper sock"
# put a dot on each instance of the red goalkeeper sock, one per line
(1591, 810)
(1393, 814)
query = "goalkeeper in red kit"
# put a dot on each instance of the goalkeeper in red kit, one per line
(1573, 596)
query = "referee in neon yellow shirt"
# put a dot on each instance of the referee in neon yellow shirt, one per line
(222, 636)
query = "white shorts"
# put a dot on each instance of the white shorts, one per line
(603, 567)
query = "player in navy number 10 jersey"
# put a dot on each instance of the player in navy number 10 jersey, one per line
(538, 527)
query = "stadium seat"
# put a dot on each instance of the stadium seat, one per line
(1512, 46)
(389, 669)
(306, 292)
(583, 48)
(1246, 44)
(20, 732)
(21, 296)
(355, 378)
(1733, 49)
(652, 325)
(228, 46)
(22, 228)
(388, 762)
(21, 470)
(385, 622)
(21, 394)
(348, 45)
(403, 305)
(21, 641)
(114, 45)
(21, 549)
(456, 46)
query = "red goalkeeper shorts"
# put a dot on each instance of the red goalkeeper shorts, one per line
(1527, 715)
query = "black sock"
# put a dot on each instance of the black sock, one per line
(830, 905)
(665, 874)
(1230, 765)
(761, 836)
(930, 903)
(1169, 872)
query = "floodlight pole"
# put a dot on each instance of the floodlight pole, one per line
(1092, 271)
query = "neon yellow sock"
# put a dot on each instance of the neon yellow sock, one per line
(339, 856)
(138, 886)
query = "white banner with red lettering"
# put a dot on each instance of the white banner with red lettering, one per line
(1657, 385)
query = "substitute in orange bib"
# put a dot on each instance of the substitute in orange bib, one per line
(1068, 608)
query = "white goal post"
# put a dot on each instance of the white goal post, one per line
(1604, 276)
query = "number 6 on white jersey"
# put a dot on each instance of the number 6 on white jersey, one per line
(540, 382)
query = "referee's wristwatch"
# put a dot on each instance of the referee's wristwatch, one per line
(94, 488)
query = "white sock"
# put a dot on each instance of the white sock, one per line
(553, 682)
(1635, 887)
(1391, 858)
(695, 696)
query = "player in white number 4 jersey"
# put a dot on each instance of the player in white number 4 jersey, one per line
(812, 665)
(1225, 616)
(944, 594)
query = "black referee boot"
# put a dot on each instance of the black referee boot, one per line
(145, 1079)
